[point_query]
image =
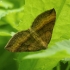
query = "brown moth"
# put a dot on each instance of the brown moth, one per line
(37, 37)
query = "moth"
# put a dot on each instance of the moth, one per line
(37, 37)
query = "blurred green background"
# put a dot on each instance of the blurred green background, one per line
(9, 18)
(17, 15)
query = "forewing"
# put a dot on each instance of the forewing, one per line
(16, 41)
(43, 25)
(23, 41)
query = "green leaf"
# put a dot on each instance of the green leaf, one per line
(48, 59)
(4, 34)
(6, 4)
(63, 46)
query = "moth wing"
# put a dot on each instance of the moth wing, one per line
(16, 41)
(43, 25)
(23, 41)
